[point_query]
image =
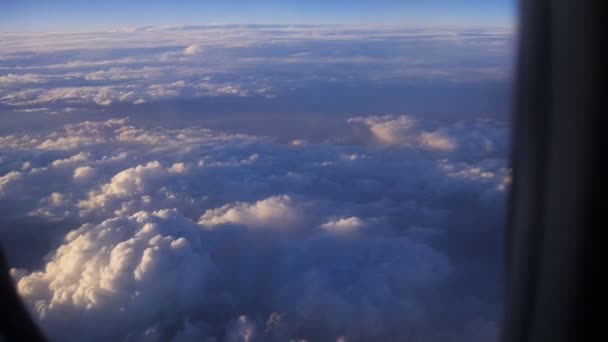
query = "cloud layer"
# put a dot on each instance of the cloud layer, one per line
(191, 234)
(57, 71)
(240, 182)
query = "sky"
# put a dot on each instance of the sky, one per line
(18, 15)
(162, 179)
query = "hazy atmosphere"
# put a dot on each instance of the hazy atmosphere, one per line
(289, 179)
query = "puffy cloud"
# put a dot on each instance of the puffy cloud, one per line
(467, 139)
(436, 141)
(157, 272)
(56, 199)
(343, 224)
(273, 212)
(389, 129)
(77, 135)
(192, 234)
(75, 159)
(83, 173)
(405, 131)
(133, 182)
(126, 271)
(193, 49)
(7, 179)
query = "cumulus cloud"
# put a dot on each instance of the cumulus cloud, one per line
(126, 183)
(114, 271)
(159, 272)
(343, 224)
(7, 179)
(193, 49)
(467, 140)
(75, 159)
(83, 173)
(273, 212)
(188, 234)
(405, 131)
(436, 141)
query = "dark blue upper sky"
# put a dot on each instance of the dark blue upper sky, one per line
(19, 15)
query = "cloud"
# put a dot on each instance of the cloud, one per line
(389, 129)
(273, 212)
(343, 224)
(15, 79)
(160, 271)
(7, 179)
(114, 271)
(193, 49)
(83, 173)
(405, 131)
(307, 228)
(468, 140)
(75, 159)
(436, 141)
(134, 67)
(190, 233)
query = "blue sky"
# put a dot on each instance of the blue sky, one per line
(20, 15)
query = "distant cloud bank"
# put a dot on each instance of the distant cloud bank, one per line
(136, 66)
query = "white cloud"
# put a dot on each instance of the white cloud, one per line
(390, 130)
(75, 159)
(193, 49)
(7, 179)
(128, 271)
(273, 212)
(244, 250)
(343, 224)
(436, 141)
(56, 199)
(83, 173)
(150, 271)
(405, 131)
(127, 183)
